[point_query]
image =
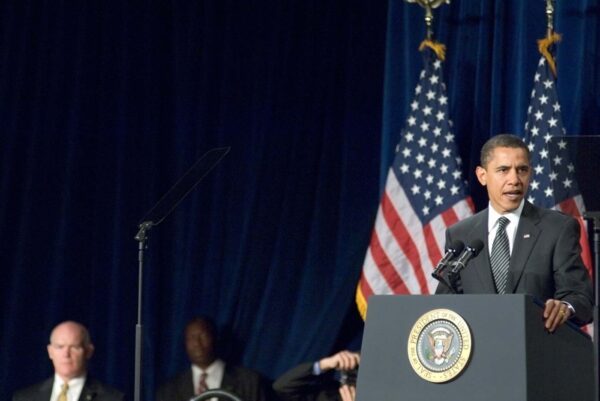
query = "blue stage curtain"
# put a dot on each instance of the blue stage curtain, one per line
(104, 105)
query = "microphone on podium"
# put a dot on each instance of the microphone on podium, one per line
(469, 253)
(452, 250)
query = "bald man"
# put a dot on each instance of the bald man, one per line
(70, 349)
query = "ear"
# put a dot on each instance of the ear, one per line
(481, 174)
(49, 351)
(89, 351)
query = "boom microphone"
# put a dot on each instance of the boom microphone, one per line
(454, 249)
(469, 253)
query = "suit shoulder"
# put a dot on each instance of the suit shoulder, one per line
(27, 393)
(468, 222)
(555, 217)
(104, 391)
(182, 379)
(112, 392)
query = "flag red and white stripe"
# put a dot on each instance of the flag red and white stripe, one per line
(424, 194)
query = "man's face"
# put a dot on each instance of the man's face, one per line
(506, 177)
(199, 344)
(68, 352)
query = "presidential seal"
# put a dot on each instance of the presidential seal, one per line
(439, 345)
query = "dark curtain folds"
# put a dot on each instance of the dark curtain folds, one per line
(104, 105)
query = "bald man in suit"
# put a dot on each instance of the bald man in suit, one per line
(545, 253)
(70, 349)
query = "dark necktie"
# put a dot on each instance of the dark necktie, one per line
(500, 258)
(202, 386)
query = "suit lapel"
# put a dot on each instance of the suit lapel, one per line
(45, 390)
(525, 238)
(185, 387)
(483, 261)
(89, 391)
(229, 382)
(481, 264)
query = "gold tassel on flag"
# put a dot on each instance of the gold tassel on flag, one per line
(438, 48)
(543, 47)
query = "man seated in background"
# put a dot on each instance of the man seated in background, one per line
(207, 371)
(332, 378)
(70, 349)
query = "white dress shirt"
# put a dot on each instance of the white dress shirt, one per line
(214, 374)
(75, 388)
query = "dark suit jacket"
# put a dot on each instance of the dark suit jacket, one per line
(545, 261)
(245, 383)
(93, 390)
(300, 384)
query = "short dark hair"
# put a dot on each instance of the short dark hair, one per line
(209, 325)
(500, 141)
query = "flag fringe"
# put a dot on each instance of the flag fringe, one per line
(543, 47)
(361, 303)
(438, 48)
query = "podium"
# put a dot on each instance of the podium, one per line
(510, 354)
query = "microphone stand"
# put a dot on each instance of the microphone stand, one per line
(141, 237)
(154, 217)
(595, 217)
(450, 282)
(453, 278)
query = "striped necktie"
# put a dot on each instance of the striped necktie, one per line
(500, 258)
(202, 386)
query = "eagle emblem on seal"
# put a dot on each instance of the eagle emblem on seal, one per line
(440, 341)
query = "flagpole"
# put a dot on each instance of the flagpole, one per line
(428, 5)
(595, 217)
(550, 17)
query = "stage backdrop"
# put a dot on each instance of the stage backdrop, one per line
(104, 105)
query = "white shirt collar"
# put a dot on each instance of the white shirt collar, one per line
(214, 374)
(75, 387)
(513, 216)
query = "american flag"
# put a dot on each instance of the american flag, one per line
(553, 183)
(424, 194)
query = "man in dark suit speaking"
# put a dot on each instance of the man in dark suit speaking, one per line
(527, 249)
(70, 349)
(208, 371)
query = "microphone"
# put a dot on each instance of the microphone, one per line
(454, 249)
(469, 253)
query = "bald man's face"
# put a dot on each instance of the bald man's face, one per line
(68, 351)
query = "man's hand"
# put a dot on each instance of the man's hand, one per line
(347, 392)
(555, 314)
(343, 360)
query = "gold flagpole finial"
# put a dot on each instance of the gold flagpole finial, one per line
(428, 5)
(550, 17)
